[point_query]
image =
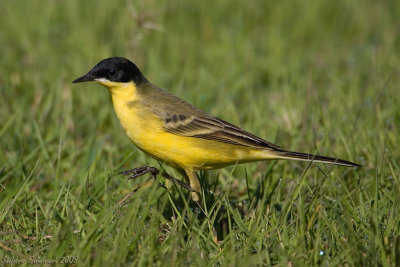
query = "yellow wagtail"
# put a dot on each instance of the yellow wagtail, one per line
(178, 134)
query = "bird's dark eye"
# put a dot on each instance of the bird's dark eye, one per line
(112, 73)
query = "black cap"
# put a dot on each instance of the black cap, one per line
(114, 69)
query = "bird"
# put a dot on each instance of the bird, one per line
(178, 134)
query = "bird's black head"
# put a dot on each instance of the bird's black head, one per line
(113, 69)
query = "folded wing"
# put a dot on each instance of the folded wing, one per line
(210, 128)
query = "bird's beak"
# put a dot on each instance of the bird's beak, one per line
(85, 78)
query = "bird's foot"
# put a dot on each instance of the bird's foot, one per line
(137, 172)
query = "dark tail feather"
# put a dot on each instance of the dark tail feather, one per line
(316, 158)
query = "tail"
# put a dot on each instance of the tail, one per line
(315, 158)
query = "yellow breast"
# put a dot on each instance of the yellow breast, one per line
(129, 109)
(146, 131)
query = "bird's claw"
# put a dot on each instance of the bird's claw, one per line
(137, 172)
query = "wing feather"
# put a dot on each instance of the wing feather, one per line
(211, 128)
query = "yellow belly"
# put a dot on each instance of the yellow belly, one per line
(146, 131)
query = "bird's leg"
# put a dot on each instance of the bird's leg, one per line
(182, 184)
(136, 172)
(194, 184)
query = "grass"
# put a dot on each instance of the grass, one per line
(311, 76)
